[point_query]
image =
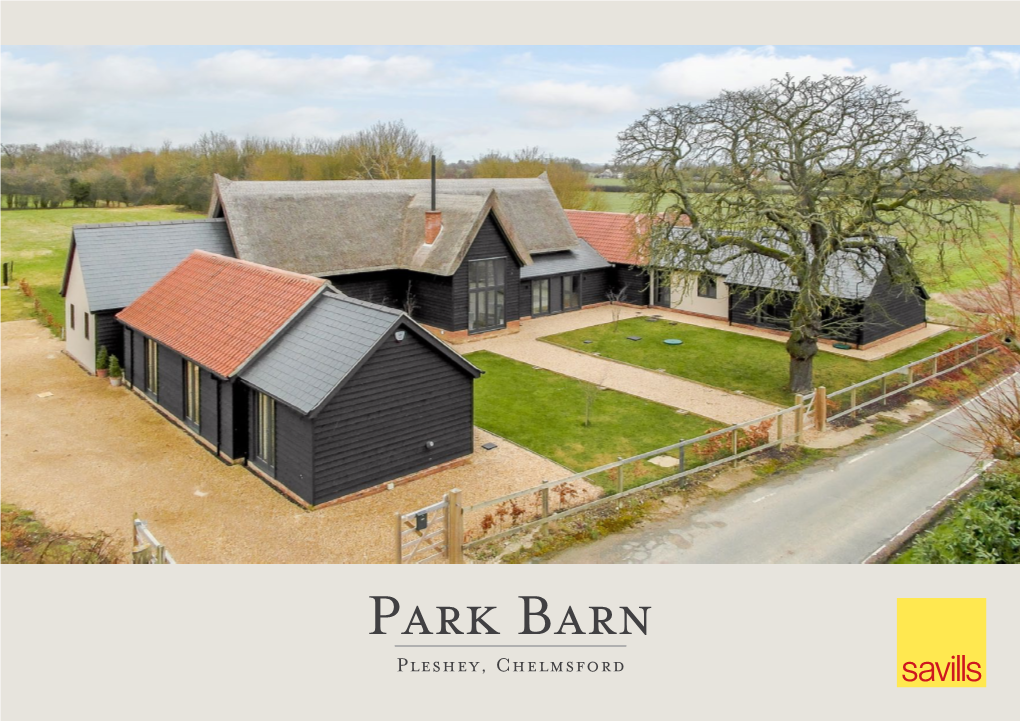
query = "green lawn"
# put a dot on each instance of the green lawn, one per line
(756, 366)
(544, 411)
(37, 242)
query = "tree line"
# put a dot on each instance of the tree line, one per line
(86, 174)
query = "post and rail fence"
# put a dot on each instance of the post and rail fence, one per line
(146, 548)
(534, 506)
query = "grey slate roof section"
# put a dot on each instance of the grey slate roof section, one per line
(120, 261)
(848, 275)
(332, 227)
(319, 349)
(583, 257)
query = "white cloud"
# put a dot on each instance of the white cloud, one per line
(583, 97)
(303, 122)
(944, 80)
(701, 76)
(261, 71)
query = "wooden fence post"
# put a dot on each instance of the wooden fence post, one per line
(733, 441)
(853, 403)
(885, 389)
(779, 431)
(400, 533)
(619, 476)
(821, 408)
(454, 528)
(798, 417)
(910, 375)
(681, 456)
(545, 502)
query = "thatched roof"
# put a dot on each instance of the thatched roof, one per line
(334, 227)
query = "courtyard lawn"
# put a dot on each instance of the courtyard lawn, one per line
(544, 411)
(37, 242)
(756, 366)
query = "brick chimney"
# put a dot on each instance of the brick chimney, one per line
(433, 218)
(433, 224)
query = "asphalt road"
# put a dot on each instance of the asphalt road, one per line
(838, 511)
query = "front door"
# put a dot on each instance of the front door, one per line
(662, 294)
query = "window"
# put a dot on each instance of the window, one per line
(72, 316)
(192, 393)
(86, 326)
(486, 282)
(151, 366)
(265, 430)
(571, 292)
(540, 297)
(708, 286)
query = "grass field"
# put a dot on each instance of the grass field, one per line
(756, 366)
(544, 411)
(37, 242)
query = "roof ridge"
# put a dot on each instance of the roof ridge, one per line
(227, 260)
(335, 294)
(137, 223)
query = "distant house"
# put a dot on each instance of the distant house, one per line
(108, 266)
(320, 394)
(488, 254)
(876, 308)
(607, 173)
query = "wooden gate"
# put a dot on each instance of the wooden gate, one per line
(432, 534)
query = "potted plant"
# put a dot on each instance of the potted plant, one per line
(116, 372)
(102, 362)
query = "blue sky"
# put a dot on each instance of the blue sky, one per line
(567, 100)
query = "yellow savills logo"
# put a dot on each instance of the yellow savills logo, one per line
(940, 642)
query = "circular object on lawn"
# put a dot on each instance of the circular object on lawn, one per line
(673, 341)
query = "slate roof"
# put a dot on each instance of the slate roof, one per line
(333, 227)
(120, 261)
(848, 275)
(219, 312)
(611, 234)
(583, 257)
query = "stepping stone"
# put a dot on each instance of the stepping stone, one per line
(588, 341)
(633, 337)
(47, 394)
(652, 319)
(665, 461)
(489, 446)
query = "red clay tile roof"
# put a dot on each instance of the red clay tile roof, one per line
(218, 311)
(611, 234)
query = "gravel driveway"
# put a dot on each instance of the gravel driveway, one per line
(90, 455)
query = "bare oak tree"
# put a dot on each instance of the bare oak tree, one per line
(804, 177)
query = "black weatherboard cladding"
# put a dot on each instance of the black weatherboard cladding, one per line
(385, 287)
(434, 300)
(171, 382)
(209, 408)
(594, 286)
(376, 427)
(294, 450)
(633, 281)
(488, 243)
(890, 309)
(109, 333)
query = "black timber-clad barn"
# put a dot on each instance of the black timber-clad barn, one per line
(333, 397)
(491, 251)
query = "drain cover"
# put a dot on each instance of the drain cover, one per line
(633, 337)
(673, 341)
(489, 446)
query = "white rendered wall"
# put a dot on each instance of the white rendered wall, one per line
(82, 350)
(684, 296)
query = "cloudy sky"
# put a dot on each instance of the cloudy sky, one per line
(568, 101)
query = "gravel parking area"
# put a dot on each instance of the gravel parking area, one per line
(89, 456)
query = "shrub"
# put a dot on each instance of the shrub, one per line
(102, 359)
(115, 370)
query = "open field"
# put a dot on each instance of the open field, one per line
(37, 242)
(544, 411)
(757, 367)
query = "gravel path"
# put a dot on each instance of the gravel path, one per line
(91, 455)
(659, 387)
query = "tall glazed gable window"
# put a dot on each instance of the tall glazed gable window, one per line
(192, 393)
(486, 294)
